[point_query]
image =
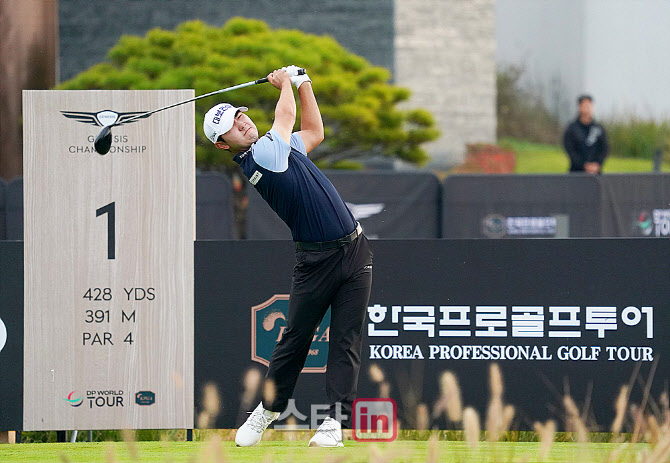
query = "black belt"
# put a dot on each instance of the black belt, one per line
(334, 244)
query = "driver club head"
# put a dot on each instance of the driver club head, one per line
(103, 141)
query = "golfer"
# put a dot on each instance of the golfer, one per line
(333, 258)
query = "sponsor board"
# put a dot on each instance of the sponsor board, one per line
(582, 316)
(499, 226)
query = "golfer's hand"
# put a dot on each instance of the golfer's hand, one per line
(279, 78)
(292, 71)
(296, 80)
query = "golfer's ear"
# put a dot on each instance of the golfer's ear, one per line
(221, 145)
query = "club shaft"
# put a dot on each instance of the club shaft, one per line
(235, 87)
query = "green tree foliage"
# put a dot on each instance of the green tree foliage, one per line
(359, 107)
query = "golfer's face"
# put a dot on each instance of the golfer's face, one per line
(243, 132)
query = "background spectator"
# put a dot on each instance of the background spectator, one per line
(585, 140)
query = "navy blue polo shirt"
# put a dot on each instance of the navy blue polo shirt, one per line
(300, 194)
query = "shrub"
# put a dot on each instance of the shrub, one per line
(633, 137)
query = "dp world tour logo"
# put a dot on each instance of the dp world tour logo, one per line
(652, 223)
(103, 118)
(268, 323)
(644, 223)
(75, 402)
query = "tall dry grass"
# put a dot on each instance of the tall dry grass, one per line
(653, 428)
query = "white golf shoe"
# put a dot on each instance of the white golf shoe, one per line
(329, 434)
(251, 431)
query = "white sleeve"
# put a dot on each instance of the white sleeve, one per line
(298, 143)
(271, 152)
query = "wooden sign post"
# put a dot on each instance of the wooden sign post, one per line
(108, 261)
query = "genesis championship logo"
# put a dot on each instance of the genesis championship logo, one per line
(74, 399)
(103, 119)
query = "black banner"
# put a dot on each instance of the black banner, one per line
(388, 205)
(15, 209)
(521, 206)
(214, 207)
(582, 317)
(3, 208)
(11, 335)
(636, 205)
(557, 316)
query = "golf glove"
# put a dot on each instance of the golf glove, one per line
(296, 80)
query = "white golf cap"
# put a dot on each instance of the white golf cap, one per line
(219, 119)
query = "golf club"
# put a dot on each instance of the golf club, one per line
(103, 141)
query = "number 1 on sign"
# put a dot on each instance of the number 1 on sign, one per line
(111, 235)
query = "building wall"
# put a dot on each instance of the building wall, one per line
(445, 54)
(88, 29)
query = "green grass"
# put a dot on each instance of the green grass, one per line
(297, 451)
(536, 158)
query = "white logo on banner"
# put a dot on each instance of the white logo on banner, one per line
(3, 334)
(484, 321)
(363, 211)
(497, 226)
(662, 222)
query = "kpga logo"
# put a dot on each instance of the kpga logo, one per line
(145, 398)
(375, 420)
(268, 323)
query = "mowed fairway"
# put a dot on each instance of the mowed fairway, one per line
(282, 451)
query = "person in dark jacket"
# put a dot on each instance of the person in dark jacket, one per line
(585, 140)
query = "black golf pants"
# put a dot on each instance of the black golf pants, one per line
(340, 278)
